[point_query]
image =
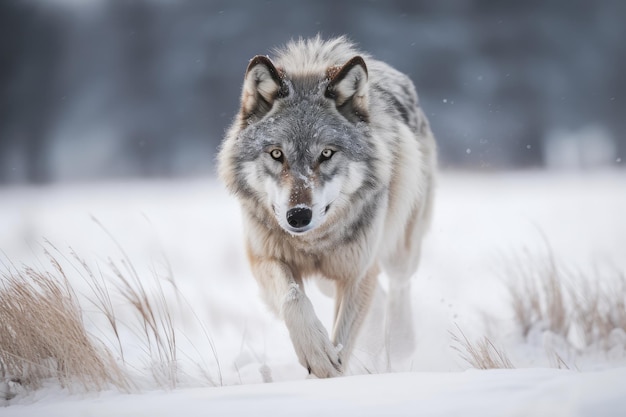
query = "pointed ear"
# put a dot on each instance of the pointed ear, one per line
(262, 85)
(348, 87)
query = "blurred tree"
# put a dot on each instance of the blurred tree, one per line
(146, 88)
(31, 44)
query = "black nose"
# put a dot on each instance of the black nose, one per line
(299, 217)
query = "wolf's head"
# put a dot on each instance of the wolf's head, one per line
(299, 149)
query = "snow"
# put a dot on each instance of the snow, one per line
(525, 392)
(193, 228)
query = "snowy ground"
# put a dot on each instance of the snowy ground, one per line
(536, 392)
(193, 229)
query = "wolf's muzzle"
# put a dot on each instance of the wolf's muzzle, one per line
(299, 217)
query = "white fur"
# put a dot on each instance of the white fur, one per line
(404, 154)
(260, 80)
(354, 84)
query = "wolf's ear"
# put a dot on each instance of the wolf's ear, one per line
(262, 85)
(348, 87)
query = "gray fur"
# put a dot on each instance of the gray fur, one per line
(370, 200)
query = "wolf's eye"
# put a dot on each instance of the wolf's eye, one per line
(277, 154)
(326, 154)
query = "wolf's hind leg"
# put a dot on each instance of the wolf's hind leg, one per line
(399, 327)
(352, 302)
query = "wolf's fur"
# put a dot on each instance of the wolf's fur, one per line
(338, 136)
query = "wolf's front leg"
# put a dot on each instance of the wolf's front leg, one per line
(353, 301)
(284, 293)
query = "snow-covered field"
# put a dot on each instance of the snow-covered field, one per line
(189, 233)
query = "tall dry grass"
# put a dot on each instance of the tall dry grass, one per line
(43, 335)
(575, 312)
(587, 309)
(538, 289)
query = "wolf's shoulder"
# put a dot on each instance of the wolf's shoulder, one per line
(393, 91)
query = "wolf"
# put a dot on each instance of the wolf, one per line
(332, 161)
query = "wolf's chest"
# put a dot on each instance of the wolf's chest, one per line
(330, 258)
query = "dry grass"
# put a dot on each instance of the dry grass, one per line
(571, 312)
(538, 294)
(43, 336)
(585, 309)
(482, 354)
(599, 309)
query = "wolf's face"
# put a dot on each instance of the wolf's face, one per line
(303, 148)
(302, 169)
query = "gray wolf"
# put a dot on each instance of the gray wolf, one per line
(332, 161)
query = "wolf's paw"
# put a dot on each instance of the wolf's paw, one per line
(316, 352)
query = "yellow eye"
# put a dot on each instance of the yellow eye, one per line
(277, 154)
(326, 154)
